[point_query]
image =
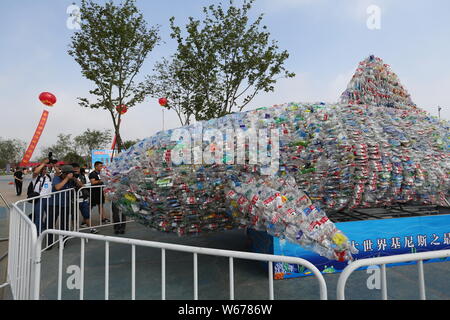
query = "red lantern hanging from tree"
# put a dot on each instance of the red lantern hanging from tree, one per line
(47, 98)
(122, 109)
(163, 102)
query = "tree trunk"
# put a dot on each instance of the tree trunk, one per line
(119, 143)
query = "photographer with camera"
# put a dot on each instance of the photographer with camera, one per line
(55, 165)
(40, 185)
(61, 204)
(83, 201)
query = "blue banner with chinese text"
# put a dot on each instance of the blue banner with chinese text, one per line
(373, 238)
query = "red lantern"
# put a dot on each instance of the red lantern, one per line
(122, 109)
(47, 98)
(163, 102)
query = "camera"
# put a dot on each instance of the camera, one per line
(50, 158)
(68, 172)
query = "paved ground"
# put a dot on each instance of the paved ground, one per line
(9, 191)
(251, 279)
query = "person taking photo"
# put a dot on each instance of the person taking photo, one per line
(41, 185)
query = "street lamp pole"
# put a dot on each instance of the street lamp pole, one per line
(439, 112)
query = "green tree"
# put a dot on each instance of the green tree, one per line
(65, 149)
(129, 143)
(64, 145)
(224, 61)
(72, 157)
(110, 48)
(11, 151)
(91, 140)
(165, 82)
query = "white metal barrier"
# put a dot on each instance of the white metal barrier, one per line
(28, 218)
(4, 201)
(54, 211)
(383, 261)
(164, 246)
(22, 242)
(85, 205)
(63, 210)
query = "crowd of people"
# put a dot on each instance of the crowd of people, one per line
(57, 191)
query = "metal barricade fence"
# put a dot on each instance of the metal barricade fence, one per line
(89, 197)
(22, 242)
(231, 255)
(53, 211)
(27, 219)
(49, 215)
(383, 261)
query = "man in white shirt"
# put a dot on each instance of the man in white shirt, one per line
(42, 185)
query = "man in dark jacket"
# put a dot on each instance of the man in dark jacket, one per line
(18, 180)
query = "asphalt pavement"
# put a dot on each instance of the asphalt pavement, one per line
(250, 280)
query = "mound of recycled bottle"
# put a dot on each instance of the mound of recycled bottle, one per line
(374, 83)
(331, 157)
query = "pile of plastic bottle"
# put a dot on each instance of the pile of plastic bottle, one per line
(374, 83)
(331, 157)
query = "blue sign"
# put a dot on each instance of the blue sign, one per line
(372, 238)
(102, 155)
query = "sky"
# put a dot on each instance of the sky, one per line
(326, 39)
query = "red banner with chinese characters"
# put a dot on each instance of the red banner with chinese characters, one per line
(35, 140)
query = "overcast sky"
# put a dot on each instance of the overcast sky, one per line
(326, 40)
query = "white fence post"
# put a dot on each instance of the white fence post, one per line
(22, 240)
(163, 274)
(421, 280)
(383, 261)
